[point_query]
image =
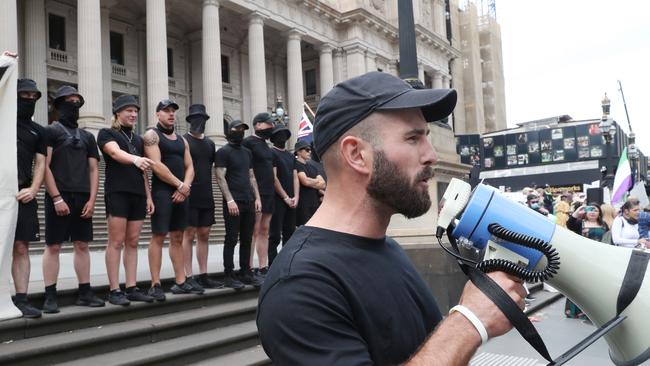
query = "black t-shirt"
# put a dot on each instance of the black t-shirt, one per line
(71, 149)
(203, 153)
(172, 154)
(332, 298)
(308, 196)
(31, 140)
(262, 163)
(122, 177)
(237, 160)
(284, 163)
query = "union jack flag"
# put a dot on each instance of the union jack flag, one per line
(305, 128)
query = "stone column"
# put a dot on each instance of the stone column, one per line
(246, 112)
(371, 61)
(89, 63)
(356, 61)
(326, 69)
(337, 56)
(257, 63)
(107, 72)
(157, 79)
(294, 82)
(212, 85)
(445, 81)
(437, 79)
(421, 73)
(36, 53)
(392, 67)
(144, 117)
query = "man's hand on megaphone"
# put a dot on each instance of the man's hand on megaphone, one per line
(493, 319)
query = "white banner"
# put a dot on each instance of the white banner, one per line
(8, 183)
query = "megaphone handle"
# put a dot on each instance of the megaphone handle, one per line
(509, 308)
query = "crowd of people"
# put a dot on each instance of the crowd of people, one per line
(627, 227)
(267, 191)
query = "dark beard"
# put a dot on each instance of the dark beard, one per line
(390, 186)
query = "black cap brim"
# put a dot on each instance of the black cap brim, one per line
(436, 104)
(197, 114)
(239, 124)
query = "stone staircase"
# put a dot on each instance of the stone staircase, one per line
(217, 328)
(100, 226)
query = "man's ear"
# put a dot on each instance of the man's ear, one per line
(357, 154)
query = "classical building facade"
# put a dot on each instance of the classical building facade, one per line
(239, 56)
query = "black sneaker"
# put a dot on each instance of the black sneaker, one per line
(50, 305)
(157, 293)
(118, 298)
(248, 278)
(89, 299)
(28, 310)
(207, 282)
(231, 281)
(135, 294)
(263, 272)
(184, 288)
(196, 288)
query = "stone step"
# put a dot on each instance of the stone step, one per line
(180, 351)
(253, 356)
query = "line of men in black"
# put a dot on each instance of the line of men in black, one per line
(267, 191)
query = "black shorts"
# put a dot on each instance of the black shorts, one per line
(131, 206)
(201, 216)
(168, 216)
(268, 203)
(72, 227)
(27, 228)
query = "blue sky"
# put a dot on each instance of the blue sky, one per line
(560, 57)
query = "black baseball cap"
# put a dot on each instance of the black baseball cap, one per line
(350, 101)
(237, 123)
(166, 103)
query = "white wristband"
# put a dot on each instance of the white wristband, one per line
(476, 322)
(181, 185)
(135, 161)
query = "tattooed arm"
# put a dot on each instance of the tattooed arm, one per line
(152, 151)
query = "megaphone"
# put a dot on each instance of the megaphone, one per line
(590, 274)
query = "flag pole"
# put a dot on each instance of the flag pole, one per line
(313, 115)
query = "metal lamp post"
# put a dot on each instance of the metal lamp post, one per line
(608, 130)
(633, 155)
(279, 114)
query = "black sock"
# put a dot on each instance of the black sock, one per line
(180, 284)
(130, 289)
(51, 289)
(115, 291)
(21, 297)
(203, 276)
(84, 288)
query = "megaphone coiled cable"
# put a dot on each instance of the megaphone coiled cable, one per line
(553, 258)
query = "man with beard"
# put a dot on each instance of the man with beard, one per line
(72, 181)
(173, 173)
(341, 292)
(287, 191)
(263, 168)
(241, 200)
(201, 210)
(31, 151)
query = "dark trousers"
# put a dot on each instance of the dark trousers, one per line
(283, 224)
(238, 227)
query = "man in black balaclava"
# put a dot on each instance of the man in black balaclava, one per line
(201, 205)
(31, 151)
(72, 181)
(287, 189)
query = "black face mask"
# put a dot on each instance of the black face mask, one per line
(197, 124)
(26, 108)
(265, 133)
(69, 113)
(166, 131)
(632, 221)
(279, 141)
(236, 137)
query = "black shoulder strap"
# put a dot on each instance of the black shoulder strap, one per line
(636, 269)
(68, 140)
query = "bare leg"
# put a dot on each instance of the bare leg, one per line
(258, 222)
(82, 261)
(176, 255)
(51, 264)
(155, 257)
(188, 240)
(203, 235)
(116, 235)
(133, 229)
(262, 243)
(21, 266)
